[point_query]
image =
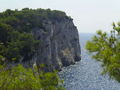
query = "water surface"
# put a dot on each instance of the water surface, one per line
(86, 74)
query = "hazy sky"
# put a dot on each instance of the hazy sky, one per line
(88, 15)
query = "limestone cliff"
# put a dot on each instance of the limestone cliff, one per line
(57, 35)
(59, 44)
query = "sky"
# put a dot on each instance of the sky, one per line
(88, 15)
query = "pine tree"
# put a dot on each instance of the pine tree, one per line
(105, 48)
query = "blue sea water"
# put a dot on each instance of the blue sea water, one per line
(86, 74)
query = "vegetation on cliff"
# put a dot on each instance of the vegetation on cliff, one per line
(106, 49)
(17, 44)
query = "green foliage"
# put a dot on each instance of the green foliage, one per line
(18, 45)
(26, 19)
(20, 78)
(106, 49)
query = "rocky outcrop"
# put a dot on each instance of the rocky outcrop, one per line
(59, 44)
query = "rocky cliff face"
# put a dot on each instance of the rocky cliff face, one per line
(59, 44)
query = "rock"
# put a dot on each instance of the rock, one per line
(59, 44)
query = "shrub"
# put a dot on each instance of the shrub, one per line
(20, 78)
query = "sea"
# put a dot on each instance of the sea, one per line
(86, 74)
